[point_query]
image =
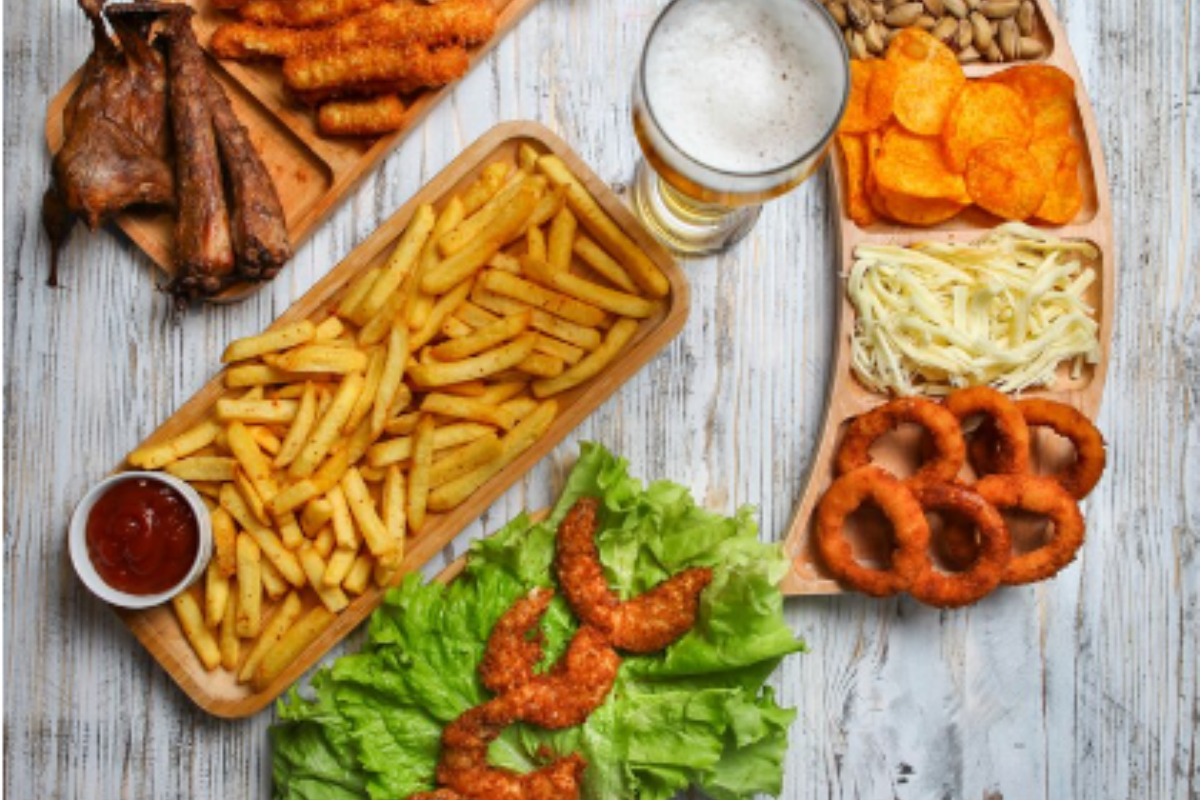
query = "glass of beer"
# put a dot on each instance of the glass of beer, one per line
(734, 102)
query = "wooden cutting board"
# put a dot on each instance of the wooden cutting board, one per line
(158, 630)
(313, 173)
(848, 398)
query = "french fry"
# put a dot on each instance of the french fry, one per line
(366, 398)
(294, 642)
(332, 597)
(395, 515)
(417, 303)
(376, 330)
(249, 584)
(622, 303)
(403, 424)
(474, 388)
(561, 241)
(508, 223)
(250, 495)
(548, 345)
(392, 374)
(418, 474)
(249, 375)
(224, 540)
(187, 610)
(473, 227)
(321, 358)
(316, 515)
(264, 537)
(514, 443)
(503, 261)
(262, 412)
(548, 206)
(490, 362)
(356, 292)
(495, 393)
(202, 468)
(267, 441)
(326, 430)
(605, 265)
(289, 530)
(467, 408)
(485, 187)
(186, 443)
(339, 565)
(208, 490)
(392, 451)
(227, 638)
(362, 507)
(455, 328)
(331, 328)
(535, 244)
(591, 216)
(216, 594)
(520, 407)
(252, 460)
(579, 335)
(348, 453)
(359, 575)
(343, 524)
(443, 307)
(301, 427)
(323, 543)
(589, 365)
(399, 264)
(484, 338)
(541, 365)
(273, 583)
(371, 474)
(283, 619)
(548, 300)
(292, 497)
(465, 459)
(385, 574)
(269, 342)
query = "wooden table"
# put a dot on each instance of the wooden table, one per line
(1087, 686)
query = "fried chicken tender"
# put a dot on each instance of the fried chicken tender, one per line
(463, 767)
(455, 22)
(370, 116)
(303, 13)
(377, 69)
(646, 623)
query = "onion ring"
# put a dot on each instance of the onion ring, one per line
(943, 427)
(1008, 433)
(1041, 495)
(992, 553)
(910, 531)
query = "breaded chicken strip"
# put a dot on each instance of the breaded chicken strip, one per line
(371, 116)
(365, 71)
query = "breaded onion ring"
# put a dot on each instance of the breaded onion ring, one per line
(910, 531)
(1040, 495)
(949, 447)
(992, 552)
(1010, 434)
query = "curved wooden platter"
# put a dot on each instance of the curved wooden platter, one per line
(312, 172)
(848, 398)
(157, 628)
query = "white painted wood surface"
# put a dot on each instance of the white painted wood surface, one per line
(1085, 687)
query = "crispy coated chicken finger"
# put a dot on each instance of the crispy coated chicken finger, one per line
(370, 116)
(303, 13)
(362, 71)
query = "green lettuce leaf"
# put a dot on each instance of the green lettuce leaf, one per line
(695, 714)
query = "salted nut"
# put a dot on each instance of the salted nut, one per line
(992, 30)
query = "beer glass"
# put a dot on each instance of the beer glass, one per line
(734, 102)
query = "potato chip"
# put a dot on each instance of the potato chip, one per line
(919, 211)
(872, 87)
(928, 81)
(1039, 84)
(1064, 198)
(985, 112)
(874, 199)
(1006, 179)
(1051, 151)
(915, 166)
(854, 154)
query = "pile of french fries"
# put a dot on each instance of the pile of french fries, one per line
(339, 437)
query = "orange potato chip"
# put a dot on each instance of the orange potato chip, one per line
(854, 155)
(919, 211)
(929, 80)
(872, 85)
(1055, 116)
(1051, 151)
(874, 198)
(1064, 197)
(1006, 179)
(984, 112)
(1048, 91)
(916, 166)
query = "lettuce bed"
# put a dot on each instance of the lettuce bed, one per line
(697, 713)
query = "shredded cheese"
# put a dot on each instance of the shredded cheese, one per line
(1003, 312)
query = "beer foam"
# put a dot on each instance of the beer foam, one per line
(744, 85)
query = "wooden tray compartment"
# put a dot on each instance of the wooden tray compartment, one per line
(157, 629)
(312, 172)
(848, 398)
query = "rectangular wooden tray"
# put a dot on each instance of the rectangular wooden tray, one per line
(157, 628)
(849, 398)
(312, 172)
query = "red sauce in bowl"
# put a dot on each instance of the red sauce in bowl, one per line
(142, 537)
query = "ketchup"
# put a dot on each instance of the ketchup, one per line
(142, 537)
